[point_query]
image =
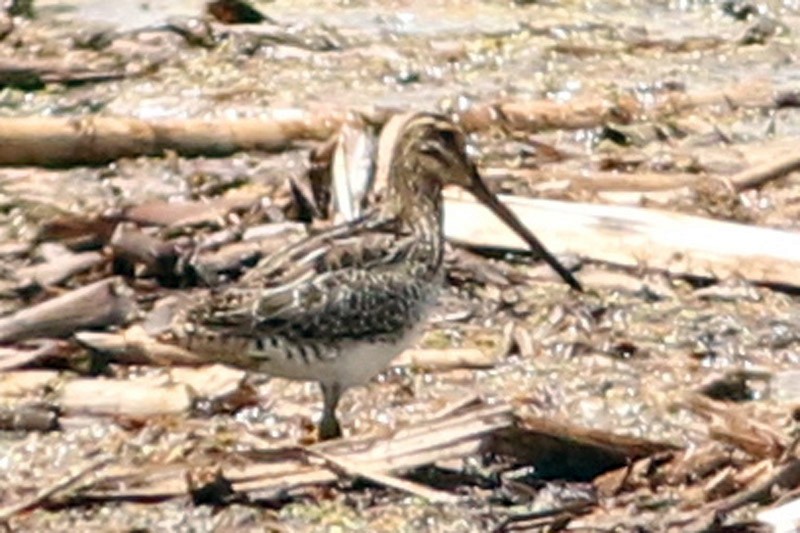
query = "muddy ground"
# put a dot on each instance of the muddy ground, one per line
(636, 355)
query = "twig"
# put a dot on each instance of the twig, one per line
(770, 170)
(571, 509)
(62, 484)
(354, 469)
(788, 476)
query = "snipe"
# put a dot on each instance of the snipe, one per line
(339, 306)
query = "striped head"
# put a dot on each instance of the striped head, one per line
(419, 155)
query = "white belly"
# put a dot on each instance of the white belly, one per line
(355, 364)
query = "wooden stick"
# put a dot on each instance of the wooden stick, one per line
(598, 180)
(764, 172)
(592, 110)
(354, 469)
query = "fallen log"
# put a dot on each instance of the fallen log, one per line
(53, 141)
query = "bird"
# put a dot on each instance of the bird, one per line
(338, 306)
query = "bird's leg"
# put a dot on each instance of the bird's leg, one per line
(329, 426)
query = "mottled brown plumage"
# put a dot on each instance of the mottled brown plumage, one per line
(338, 306)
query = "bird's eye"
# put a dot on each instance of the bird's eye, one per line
(448, 138)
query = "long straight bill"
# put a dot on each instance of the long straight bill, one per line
(491, 201)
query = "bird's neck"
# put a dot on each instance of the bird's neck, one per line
(422, 214)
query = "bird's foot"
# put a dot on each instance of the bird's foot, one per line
(329, 428)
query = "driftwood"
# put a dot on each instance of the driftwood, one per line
(98, 140)
(47, 141)
(105, 303)
(593, 111)
(767, 161)
(631, 236)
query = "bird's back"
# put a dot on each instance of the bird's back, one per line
(351, 285)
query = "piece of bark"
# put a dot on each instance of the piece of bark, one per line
(28, 418)
(130, 398)
(320, 160)
(443, 360)
(108, 302)
(786, 477)
(524, 342)
(131, 246)
(730, 424)
(51, 141)
(634, 237)
(14, 248)
(77, 231)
